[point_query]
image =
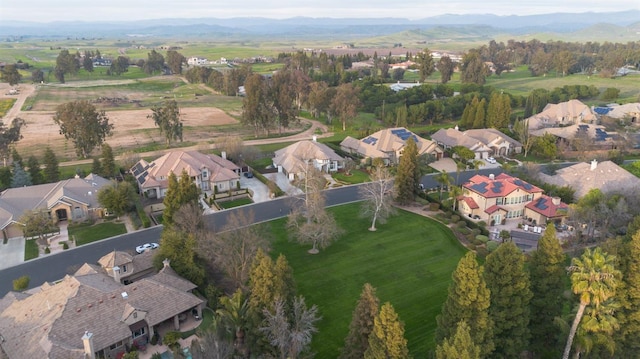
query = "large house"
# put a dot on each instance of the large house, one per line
(572, 112)
(90, 315)
(293, 159)
(484, 142)
(74, 199)
(209, 172)
(125, 268)
(388, 144)
(606, 176)
(629, 112)
(592, 136)
(496, 199)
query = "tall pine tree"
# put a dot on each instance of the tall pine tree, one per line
(357, 341)
(460, 346)
(34, 170)
(387, 341)
(107, 161)
(547, 268)
(509, 285)
(51, 168)
(479, 120)
(628, 343)
(407, 178)
(468, 300)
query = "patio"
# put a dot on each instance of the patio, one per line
(188, 324)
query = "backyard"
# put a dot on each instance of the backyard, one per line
(409, 260)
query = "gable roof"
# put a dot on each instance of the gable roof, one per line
(451, 137)
(500, 186)
(14, 202)
(390, 140)
(548, 207)
(292, 158)
(583, 177)
(620, 111)
(572, 111)
(595, 132)
(50, 322)
(489, 135)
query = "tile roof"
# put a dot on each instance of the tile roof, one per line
(572, 111)
(596, 132)
(292, 157)
(451, 137)
(501, 186)
(620, 111)
(50, 322)
(489, 135)
(470, 202)
(548, 207)
(383, 142)
(494, 209)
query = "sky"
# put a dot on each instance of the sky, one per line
(125, 10)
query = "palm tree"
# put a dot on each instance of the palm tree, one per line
(460, 166)
(234, 314)
(476, 165)
(594, 279)
(454, 192)
(444, 179)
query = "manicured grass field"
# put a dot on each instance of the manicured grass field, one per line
(357, 176)
(235, 203)
(86, 233)
(409, 260)
(30, 249)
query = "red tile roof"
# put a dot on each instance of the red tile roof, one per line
(470, 202)
(545, 206)
(501, 186)
(494, 208)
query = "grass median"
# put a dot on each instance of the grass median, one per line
(85, 233)
(409, 260)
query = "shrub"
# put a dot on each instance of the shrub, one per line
(47, 250)
(21, 283)
(481, 252)
(422, 201)
(492, 246)
(482, 238)
(455, 218)
(434, 206)
(460, 224)
(472, 247)
(154, 340)
(171, 339)
(65, 245)
(476, 231)
(464, 230)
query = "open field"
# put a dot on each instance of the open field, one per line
(409, 260)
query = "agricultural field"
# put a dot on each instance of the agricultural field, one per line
(409, 260)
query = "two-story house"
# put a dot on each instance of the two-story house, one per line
(496, 199)
(293, 159)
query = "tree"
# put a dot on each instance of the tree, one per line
(16, 158)
(37, 76)
(499, 111)
(66, 63)
(509, 285)
(629, 297)
(444, 179)
(37, 224)
(51, 170)
(20, 177)
(545, 146)
(521, 128)
(96, 166)
(154, 63)
(234, 315)
(21, 283)
(426, 64)
(290, 333)
(468, 300)
(107, 162)
(446, 67)
(536, 102)
(119, 66)
(87, 63)
(283, 95)
(180, 249)
(119, 197)
(345, 104)
(387, 337)
(357, 341)
(257, 110)
(85, 126)
(460, 346)
(11, 75)
(179, 193)
(473, 69)
(10, 135)
(175, 61)
(479, 120)
(34, 170)
(262, 283)
(594, 279)
(235, 247)
(397, 74)
(407, 177)
(563, 61)
(167, 118)
(378, 196)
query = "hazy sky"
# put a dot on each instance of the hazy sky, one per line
(109, 10)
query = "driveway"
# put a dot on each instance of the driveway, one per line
(283, 182)
(259, 189)
(12, 253)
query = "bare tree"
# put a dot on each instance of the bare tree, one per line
(234, 248)
(290, 333)
(309, 222)
(213, 344)
(378, 195)
(188, 219)
(521, 128)
(232, 145)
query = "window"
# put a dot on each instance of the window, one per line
(115, 345)
(204, 174)
(124, 269)
(140, 332)
(135, 315)
(499, 200)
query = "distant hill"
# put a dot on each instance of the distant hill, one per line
(564, 25)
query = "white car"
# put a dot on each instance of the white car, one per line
(492, 160)
(141, 248)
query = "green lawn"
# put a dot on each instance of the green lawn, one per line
(30, 249)
(5, 105)
(86, 233)
(357, 176)
(235, 203)
(409, 260)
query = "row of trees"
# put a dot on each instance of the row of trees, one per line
(495, 114)
(31, 172)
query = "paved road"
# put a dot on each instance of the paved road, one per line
(56, 266)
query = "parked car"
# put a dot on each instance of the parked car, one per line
(248, 174)
(492, 160)
(141, 248)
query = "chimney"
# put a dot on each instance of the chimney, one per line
(491, 176)
(315, 138)
(116, 274)
(594, 164)
(456, 128)
(223, 154)
(165, 263)
(555, 200)
(87, 340)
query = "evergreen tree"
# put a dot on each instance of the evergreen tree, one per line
(387, 341)
(15, 156)
(468, 300)
(629, 298)
(494, 110)
(505, 115)
(285, 287)
(357, 341)
(408, 176)
(460, 346)
(262, 281)
(51, 169)
(180, 249)
(107, 161)
(547, 268)
(34, 170)
(189, 193)
(509, 285)
(5, 178)
(171, 199)
(479, 121)
(469, 113)
(20, 177)
(96, 166)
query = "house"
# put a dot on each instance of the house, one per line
(500, 144)
(400, 86)
(125, 268)
(293, 159)
(388, 144)
(572, 112)
(583, 177)
(452, 137)
(197, 61)
(401, 65)
(594, 136)
(74, 199)
(90, 315)
(496, 199)
(629, 111)
(209, 172)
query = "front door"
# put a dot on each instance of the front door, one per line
(61, 214)
(497, 219)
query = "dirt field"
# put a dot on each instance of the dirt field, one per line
(132, 128)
